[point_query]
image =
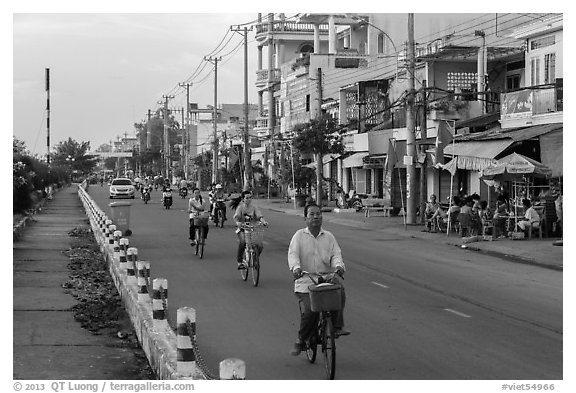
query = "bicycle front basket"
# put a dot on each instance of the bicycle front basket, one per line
(200, 221)
(325, 297)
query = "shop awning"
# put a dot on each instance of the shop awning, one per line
(480, 149)
(355, 160)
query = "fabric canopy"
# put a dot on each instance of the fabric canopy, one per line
(481, 149)
(516, 165)
(355, 160)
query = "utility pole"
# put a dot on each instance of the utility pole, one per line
(410, 129)
(166, 137)
(423, 147)
(318, 157)
(481, 70)
(215, 145)
(186, 145)
(248, 176)
(48, 122)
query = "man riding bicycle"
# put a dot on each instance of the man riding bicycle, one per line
(217, 200)
(246, 212)
(314, 250)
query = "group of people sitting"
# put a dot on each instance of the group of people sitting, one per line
(473, 215)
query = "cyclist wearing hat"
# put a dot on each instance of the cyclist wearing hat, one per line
(218, 195)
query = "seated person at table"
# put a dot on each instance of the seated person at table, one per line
(431, 208)
(441, 213)
(500, 217)
(531, 216)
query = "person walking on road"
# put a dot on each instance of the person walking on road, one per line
(314, 250)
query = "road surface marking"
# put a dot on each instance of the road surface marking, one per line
(380, 285)
(457, 313)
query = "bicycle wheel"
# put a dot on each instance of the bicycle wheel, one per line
(220, 218)
(255, 267)
(329, 347)
(244, 272)
(312, 348)
(202, 242)
(197, 241)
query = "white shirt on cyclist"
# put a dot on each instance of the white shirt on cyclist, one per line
(198, 208)
(320, 254)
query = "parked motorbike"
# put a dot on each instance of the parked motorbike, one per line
(183, 192)
(343, 201)
(167, 198)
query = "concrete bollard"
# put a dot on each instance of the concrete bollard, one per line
(132, 256)
(122, 258)
(111, 230)
(186, 333)
(232, 369)
(160, 304)
(143, 277)
(116, 246)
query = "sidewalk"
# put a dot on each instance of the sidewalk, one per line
(534, 251)
(47, 342)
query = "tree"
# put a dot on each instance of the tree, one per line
(75, 155)
(319, 137)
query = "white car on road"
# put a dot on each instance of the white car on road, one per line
(121, 188)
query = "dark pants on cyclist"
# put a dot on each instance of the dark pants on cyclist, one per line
(242, 246)
(213, 211)
(309, 319)
(193, 230)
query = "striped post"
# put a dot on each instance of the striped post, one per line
(160, 304)
(116, 246)
(232, 369)
(143, 277)
(111, 230)
(132, 256)
(186, 334)
(122, 258)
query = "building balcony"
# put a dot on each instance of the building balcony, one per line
(532, 105)
(265, 76)
(262, 128)
(278, 26)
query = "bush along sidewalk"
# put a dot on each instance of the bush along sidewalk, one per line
(99, 308)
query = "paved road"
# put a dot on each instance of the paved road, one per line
(417, 309)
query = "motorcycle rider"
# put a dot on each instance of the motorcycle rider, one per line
(183, 186)
(166, 188)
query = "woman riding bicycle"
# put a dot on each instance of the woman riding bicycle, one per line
(197, 207)
(246, 212)
(314, 250)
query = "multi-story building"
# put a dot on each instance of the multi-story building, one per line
(354, 67)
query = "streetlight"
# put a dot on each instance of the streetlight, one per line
(70, 160)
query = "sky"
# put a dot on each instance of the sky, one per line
(108, 70)
(109, 64)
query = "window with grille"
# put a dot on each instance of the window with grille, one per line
(550, 68)
(535, 72)
(542, 42)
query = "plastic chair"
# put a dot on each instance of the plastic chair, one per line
(532, 229)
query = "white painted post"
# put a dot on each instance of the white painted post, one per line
(116, 246)
(122, 257)
(143, 276)
(160, 304)
(185, 358)
(232, 369)
(132, 255)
